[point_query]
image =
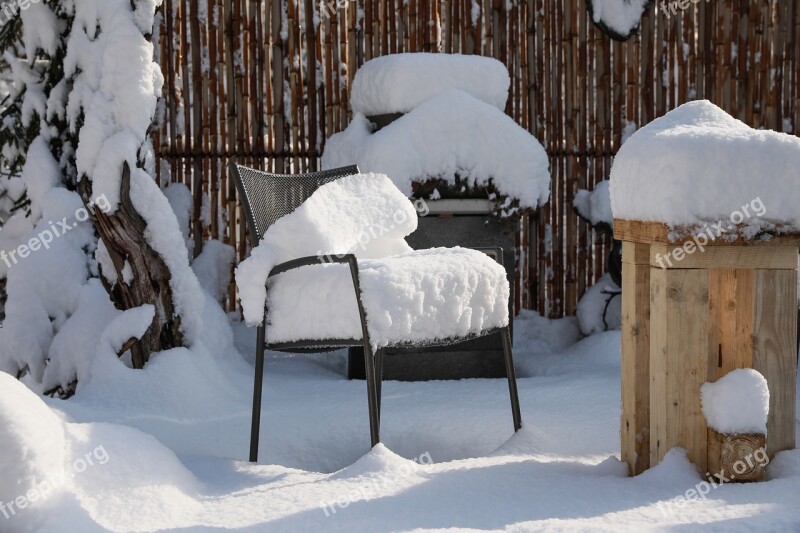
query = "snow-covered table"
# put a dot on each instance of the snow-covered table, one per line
(734, 305)
(706, 209)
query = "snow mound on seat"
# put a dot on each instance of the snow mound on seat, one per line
(737, 403)
(437, 139)
(349, 215)
(32, 443)
(398, 83)
(697, 164)
(422, 296)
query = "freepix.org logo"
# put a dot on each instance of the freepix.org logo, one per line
(45, 238)
(9, 10)
(44, 488)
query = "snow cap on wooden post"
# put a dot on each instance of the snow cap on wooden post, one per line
(706, 209)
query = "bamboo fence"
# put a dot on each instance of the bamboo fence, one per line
(255, 81)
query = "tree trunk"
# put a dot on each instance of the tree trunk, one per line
(123, 235)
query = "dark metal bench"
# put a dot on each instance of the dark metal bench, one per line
(265, 198)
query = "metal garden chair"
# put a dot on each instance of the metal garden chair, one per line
(265, 198)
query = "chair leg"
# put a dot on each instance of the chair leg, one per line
(505, 333)
(372, 395)
(379, 379)
(257, 385)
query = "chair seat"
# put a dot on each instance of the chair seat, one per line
(422, 296)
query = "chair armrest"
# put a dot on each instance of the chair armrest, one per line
(313, 260)
(496, 251)
(348, 259)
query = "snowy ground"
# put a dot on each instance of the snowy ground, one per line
(449, 459)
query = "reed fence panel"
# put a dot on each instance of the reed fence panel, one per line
(266, 82)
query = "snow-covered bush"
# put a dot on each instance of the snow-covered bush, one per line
(86, 88)
(594, 207)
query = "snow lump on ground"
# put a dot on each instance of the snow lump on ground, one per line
(33, 448)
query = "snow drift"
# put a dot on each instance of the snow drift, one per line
(33, 448)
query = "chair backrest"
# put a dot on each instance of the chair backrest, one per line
(267, 197)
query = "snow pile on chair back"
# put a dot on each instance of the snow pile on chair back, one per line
(398, 83)
(350, 214)
(363, 214)
(697, 165)
(408, 295)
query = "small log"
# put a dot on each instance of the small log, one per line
(737, 458)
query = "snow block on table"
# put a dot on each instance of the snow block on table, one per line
(397, 83)
(697, 165)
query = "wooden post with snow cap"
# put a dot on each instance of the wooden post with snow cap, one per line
(700, 301)
(731, 306)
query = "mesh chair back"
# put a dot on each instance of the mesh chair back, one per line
(267, 197)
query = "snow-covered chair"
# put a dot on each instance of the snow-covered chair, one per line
(473, 303)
